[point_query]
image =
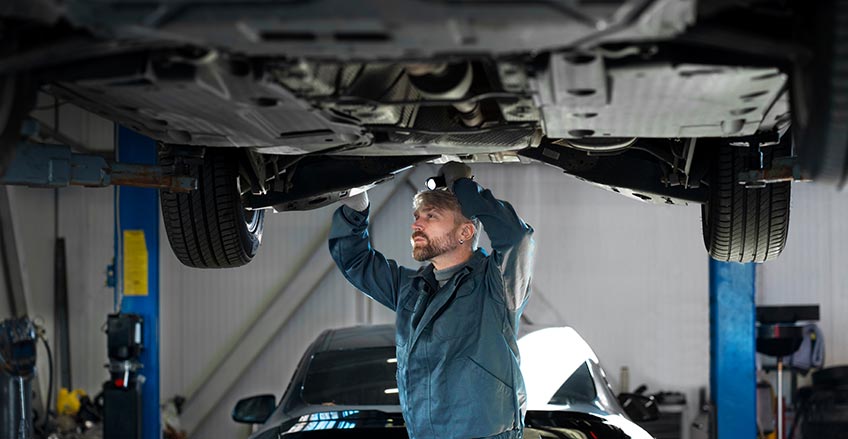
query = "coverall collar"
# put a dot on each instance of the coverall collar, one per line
(426, 272)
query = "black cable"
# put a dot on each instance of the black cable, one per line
(49, 381)
(664, 160)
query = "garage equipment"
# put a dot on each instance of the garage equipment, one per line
(779, 335)
(824, 405)
(732, 350)
(17, 367)
(48, 165)
(122, 393)
(137, 269)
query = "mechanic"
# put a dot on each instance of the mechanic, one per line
(457, 317)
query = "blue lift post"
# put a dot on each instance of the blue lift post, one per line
(137, 267)
(733, 349)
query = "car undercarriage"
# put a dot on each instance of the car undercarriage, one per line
(669, 102)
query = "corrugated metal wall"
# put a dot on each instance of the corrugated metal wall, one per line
(814, 267)
(33, 214)
(85, 220)
(86, 223)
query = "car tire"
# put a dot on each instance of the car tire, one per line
(820, 92)
(209, 227)
(17, 98)
(743, 224)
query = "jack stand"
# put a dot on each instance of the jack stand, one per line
(17, 367)
(779, 335)
(122, 393)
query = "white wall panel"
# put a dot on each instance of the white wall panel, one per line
(631, 278)
(87, 129)
(86, 223)
(812, 268)
(328, 307)
(33, 214)
(203, 312)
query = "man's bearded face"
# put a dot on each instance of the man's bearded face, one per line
(425, 248)
(434, 233)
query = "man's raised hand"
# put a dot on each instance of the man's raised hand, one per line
(358, 202)
(453, 171)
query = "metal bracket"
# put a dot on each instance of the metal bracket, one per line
(782, 169)
(256, 174)
(44, 165)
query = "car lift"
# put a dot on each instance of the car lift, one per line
(49, 165)
(137, 266)
(733, 384)
(136, 269)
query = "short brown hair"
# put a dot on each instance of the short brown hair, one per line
(439, 199)
(446, 200)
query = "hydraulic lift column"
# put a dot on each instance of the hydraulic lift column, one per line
(733, 384)
(137, 269)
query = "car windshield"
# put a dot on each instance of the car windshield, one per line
(352, 377)
(579, 387)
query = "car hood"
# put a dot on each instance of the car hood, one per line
(586, 419)
(387, 422)
(315, 421)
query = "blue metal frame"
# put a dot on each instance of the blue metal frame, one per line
(138, 209)
(733, 349)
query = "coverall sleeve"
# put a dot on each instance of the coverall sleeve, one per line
(365, 268)
(512, 239)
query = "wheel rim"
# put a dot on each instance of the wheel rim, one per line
(251, 220)
(250, 217)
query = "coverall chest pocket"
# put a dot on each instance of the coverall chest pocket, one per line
(404, 316)
(461, 316)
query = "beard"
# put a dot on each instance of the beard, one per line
(432, 247)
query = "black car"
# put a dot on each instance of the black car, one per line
(345, 386)
(289, 105)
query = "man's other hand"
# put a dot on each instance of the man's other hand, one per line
(358, 202)
(453, 171)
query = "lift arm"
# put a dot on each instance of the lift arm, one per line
(47, 165)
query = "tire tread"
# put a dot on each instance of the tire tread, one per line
(206, 227)
(744, 224)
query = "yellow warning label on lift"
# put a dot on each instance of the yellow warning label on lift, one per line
(135, 263)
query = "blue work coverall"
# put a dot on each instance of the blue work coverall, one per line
(457, 355)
